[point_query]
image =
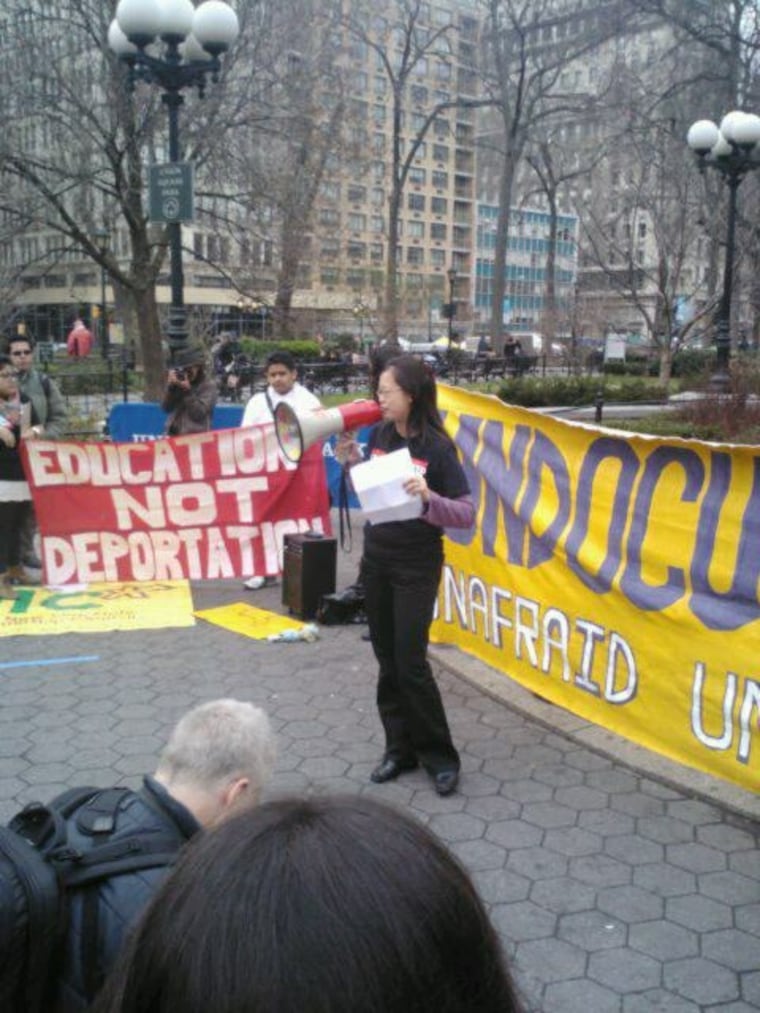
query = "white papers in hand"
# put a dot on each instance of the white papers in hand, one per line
(379, 486)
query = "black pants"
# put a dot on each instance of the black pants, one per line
(11, 518)
(399, 600)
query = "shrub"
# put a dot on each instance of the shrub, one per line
(536, 392)
(90, 376)
(303, 350)
(693, 362)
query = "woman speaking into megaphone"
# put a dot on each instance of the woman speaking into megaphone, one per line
(401, 568)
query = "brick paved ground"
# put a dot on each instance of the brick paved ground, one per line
(611, 891)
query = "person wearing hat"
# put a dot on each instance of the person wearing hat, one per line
(190, 394)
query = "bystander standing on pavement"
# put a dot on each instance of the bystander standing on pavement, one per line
(282, 385)
(48, 416)
(79, 340)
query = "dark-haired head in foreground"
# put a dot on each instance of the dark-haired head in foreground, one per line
(334, 905)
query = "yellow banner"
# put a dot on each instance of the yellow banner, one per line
(616, 575)
(97, 608)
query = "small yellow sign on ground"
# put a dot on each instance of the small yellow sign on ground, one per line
(250, 621)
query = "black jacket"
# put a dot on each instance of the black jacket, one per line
(122, 898)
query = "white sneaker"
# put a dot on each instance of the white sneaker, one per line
(256, 583)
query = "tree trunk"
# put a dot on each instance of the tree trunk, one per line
(151, 352)
(666, 363)
(496, 332)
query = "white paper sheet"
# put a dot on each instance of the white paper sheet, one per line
(379, 486)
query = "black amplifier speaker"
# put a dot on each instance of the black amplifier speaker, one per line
(308, 572)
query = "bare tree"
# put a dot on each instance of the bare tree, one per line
(528, 47)
(404, 41)
(646, 242)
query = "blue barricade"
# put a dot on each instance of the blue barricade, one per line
(144, 420)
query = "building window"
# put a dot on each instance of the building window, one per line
(438, 205)
(357, 222)
(356, 251)
(329, 217)
(441, 152)
(377, 198)
(417, 176)
(377, 223)
(416, 202)
(356, 193)
(416, 230)
(376, 252)
(437, 230)
(440, 179)
(415, 255)
(437, 258)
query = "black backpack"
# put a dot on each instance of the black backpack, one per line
(38, 868)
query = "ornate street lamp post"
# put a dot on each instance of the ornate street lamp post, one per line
(733, 149)
(193, 41)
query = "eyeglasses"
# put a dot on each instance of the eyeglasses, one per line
(22, 351)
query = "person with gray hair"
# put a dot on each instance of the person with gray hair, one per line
(217, 761)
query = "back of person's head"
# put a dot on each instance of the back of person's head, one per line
(416, 379)
(216, 744)
(281, 358)
(323, 905)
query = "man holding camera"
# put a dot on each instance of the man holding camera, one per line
(190, 394)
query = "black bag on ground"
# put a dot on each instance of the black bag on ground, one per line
(343, 607)
(39, 869)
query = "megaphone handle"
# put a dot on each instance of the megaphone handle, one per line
(344, 514)
(347, 450)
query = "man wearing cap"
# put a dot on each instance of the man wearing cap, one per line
(190, 394)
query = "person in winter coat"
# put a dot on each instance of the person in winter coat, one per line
(190, 394)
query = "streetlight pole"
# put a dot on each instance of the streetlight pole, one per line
(102, 238)
(194, 39)
(360, 311)
(733, 149)
(451, 274)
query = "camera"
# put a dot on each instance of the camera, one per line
(180, 372)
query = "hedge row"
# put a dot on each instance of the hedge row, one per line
(536, 392)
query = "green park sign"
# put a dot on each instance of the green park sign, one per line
(170, 192)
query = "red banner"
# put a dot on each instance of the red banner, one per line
(203, 507)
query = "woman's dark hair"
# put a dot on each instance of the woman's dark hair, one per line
(322, 905)
(5, 360)
(379, 357)
(281, 358)
(416, 379)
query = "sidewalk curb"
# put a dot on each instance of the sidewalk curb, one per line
(499, 686)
